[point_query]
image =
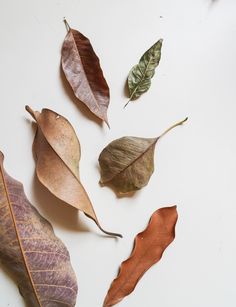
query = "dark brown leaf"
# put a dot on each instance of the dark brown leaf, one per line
(83, 72)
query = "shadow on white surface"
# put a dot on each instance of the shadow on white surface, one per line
(11, 276)
(56, 210)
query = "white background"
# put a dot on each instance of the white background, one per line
(195, 164)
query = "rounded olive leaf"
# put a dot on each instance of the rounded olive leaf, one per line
(128, 163)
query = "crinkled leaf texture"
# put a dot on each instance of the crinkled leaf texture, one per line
(83, 72)
(128, 163)
(148, 249)
(57, 151)
(139, 79)
(31, 251)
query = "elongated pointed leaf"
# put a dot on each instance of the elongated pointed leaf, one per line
(30, 249)
(148, 249)
(128, 163)
(83, 72)
(139, 79)
(57, 150)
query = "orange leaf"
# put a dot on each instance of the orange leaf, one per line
(148, 249)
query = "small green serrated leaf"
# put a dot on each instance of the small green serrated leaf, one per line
(139, 78)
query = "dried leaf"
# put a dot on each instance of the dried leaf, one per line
(148, 249)
(57, 150)
(128, 163)
(30, 249)
(139, 78)
(83, 72)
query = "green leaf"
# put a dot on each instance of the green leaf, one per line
(139, 79)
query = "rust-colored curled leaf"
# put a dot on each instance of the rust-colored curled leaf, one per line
(84, 74)
(30, 250)
(57, 151)
(128, 163)
(148, 249)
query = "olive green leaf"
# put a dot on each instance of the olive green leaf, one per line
(128, 163)
(139, 78)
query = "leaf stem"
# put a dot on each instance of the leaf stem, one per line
(131, 96)
(68, 28)
(112, 234)
(31, 112)
(172, 127)
(127, 103)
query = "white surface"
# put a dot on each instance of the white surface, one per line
(195, 164)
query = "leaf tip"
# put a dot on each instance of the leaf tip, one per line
(111, 234)
(107, 123)
(109, 301)
(106, 302)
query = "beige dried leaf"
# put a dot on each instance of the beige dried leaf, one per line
(57, 151)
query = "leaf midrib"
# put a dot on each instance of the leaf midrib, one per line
(18, 236)
(143, 77)
(84, 71)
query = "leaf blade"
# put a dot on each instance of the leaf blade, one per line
(82, 69)
(127, 163)
(148, 249)
(139, 78)
(131, 157)
(19, 229)
(58, 153)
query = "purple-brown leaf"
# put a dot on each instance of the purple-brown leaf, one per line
(83, 72)
(148, 249)
(30, 250)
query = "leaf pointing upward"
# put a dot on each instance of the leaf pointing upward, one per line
(57, 150)
(128, 163)
(84, 74)
(148, 249)
(139, 78)
(30, 249)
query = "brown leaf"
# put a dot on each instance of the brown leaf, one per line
(30, 249)
(57, 150)
(83, 72)
(128, 163)
(148, 249)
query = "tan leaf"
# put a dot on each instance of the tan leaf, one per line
(84, 74)
(128, 163)
(57, 150)
(30, 250)
(148, 249)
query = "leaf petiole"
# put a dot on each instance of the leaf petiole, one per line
(173, 126)
(68, 28)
